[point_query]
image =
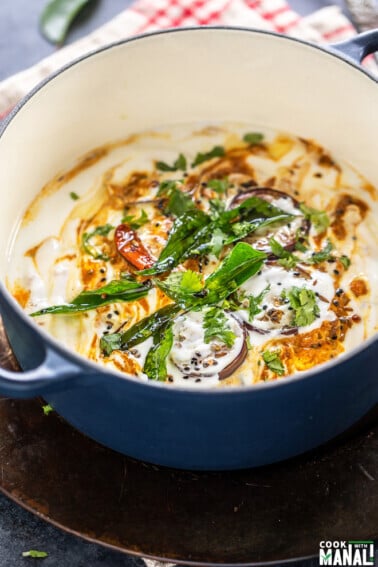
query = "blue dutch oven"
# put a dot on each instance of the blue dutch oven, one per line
(187, 75)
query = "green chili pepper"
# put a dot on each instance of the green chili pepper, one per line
(58, 16)
(113, 292)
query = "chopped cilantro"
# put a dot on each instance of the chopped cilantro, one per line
(300, 241)
(241, 229)
(322, 256)
(303, 301)
(180, 286)
(35, 554)
(166, 187)
(217, 151)
(180, 163)
(319, 219)
(217, 327)
(89, 248)
(286, 258)
(217, 241)
(345, 260)
(273, 361)
(234, 301)
(217, 206)
(135, 222)
(74, 196)
(253, 138)
(178, 201)
(255, 302)
(47, 409)
(220, 186)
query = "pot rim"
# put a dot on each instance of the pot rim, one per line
(87, 366)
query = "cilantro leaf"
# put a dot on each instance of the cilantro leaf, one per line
(322, 256)
(217, 151)
(155, 365)
(303, 301)
(273, 361)
(345, 261)
(253, 138)
(216, 326)
(180, 286)
(319, 219)
(47, 409)
(113, 292)
(180, 163)
(34, 553)
(217, 206)
(286, 258)
(220, 186)
(178, 201)
(89, 248)
(217, 241)
(255, 302)
(135, 222)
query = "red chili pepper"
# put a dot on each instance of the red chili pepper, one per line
(131, 248)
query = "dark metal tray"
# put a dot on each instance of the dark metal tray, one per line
(271, 514)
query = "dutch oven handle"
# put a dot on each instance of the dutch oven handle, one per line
(359, 46)
(50, 370)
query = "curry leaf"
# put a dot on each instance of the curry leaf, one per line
(113, 292)
(139, 332)
(155, 365)
(181, 238)
(58, 16)
(242, 263)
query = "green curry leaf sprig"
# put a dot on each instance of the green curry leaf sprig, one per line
(113, 292)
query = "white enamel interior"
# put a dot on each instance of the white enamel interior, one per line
(181, 77)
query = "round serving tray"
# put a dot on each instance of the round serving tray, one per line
(270, 514)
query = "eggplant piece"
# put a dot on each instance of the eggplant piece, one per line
(235, 363)
(286, 235)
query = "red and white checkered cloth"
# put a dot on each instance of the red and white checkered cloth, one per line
(325, 25)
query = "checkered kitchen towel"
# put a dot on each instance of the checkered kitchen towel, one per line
(325, 25)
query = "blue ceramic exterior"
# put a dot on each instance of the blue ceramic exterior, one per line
(216, 429)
